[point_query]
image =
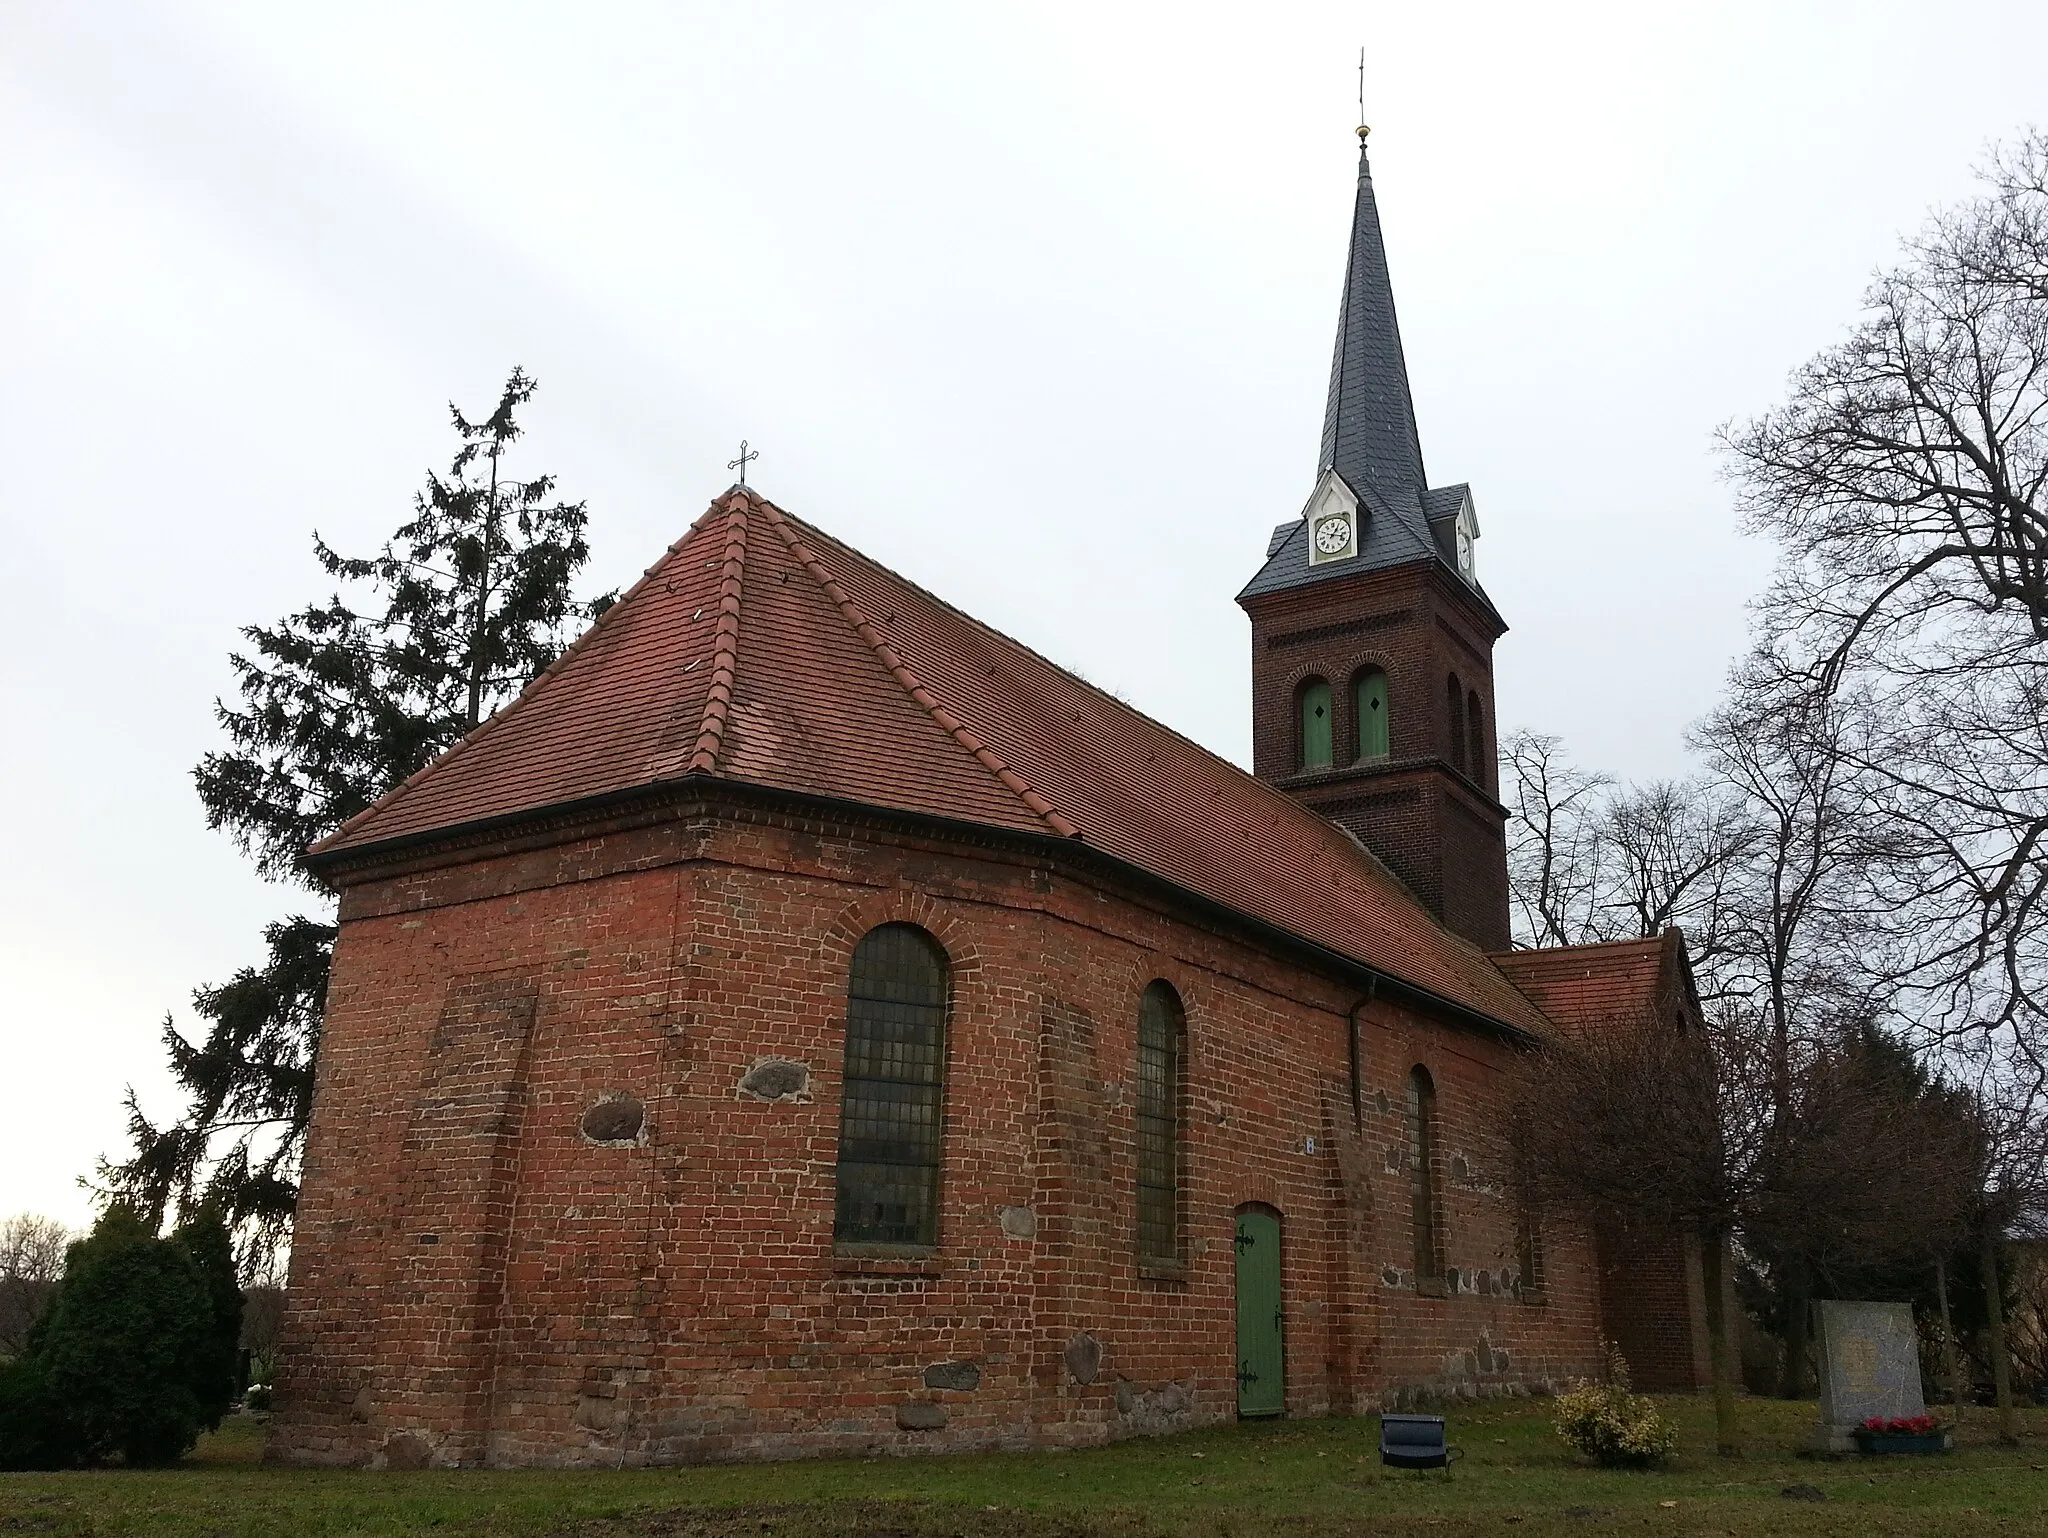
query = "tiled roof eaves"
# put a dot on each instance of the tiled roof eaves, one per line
(657, 802)
(947, 721)
(1268, 579)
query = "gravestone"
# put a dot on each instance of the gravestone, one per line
(1869, 1365)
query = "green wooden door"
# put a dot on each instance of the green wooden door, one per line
(1261, 1353)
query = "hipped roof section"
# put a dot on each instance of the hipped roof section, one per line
(761, 650)
(1584, 987)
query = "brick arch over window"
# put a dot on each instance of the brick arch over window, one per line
(893, 1092)
(1372, 717)
(1425, 1202)
(1315, 719)
(963, 956)
(1161, 1118)
(1454, 697)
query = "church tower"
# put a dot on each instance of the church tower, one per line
(1372, 640)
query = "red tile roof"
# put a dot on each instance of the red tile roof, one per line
(759, 649)
(1584, 985)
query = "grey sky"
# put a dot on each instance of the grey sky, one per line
(1033, 303)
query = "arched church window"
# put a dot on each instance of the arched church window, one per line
(1475, 736)
(1425, 1210)
(1528, 1216)
(1316, 737)
(1455, 699)
(892, 1104)
(1374, 732)
(1162, 1043)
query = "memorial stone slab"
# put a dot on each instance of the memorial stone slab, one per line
(1869, 1365)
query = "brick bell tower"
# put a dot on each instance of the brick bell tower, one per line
(1372, 640)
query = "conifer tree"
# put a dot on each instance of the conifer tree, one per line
(216, 1358)
(338, 703)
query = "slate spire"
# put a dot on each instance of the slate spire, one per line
(1369, 425)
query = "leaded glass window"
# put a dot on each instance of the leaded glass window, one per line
(893, 1103)
(1422, 1177)
(1162, 1038)
(1528, 1217)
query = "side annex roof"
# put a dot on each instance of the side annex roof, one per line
(1582, 987)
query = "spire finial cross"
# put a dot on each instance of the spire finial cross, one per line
(1362, 129)
(740, 464)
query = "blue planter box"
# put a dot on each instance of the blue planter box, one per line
(1879, 1442)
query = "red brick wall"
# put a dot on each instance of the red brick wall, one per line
(1437, 826)
(1653, 1302)
(475, 1281)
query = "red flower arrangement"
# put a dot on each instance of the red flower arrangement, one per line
(1901, 1426)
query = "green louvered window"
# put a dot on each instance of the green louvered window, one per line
(1162, 1037)
(892, 1105)
(1316, 738)
(1373, 732)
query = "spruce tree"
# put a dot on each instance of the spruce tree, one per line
(337, 703)
(216, 1361)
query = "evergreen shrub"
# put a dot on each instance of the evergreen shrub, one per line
(136, 1353)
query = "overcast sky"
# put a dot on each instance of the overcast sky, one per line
(1033, 303)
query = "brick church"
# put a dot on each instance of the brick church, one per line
(808, 1021)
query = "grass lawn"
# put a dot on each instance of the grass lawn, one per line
(1290, 1479)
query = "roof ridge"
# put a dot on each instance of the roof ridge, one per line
(1645, 942)
(725, 641)
(398, 792)
(909, 681)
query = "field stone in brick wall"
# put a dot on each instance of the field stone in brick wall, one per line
(963, 1377)
(777, 1078)
(1084, 1358)
(615, 1119)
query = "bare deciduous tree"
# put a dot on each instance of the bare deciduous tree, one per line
(31, 1264)
(1636, 1123)
(1675, 847)
(1554, 873)
(1903, 479)
(1590, 860)
(1624, 1127)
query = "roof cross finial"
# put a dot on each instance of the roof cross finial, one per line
(740, 464)
(1362, 129)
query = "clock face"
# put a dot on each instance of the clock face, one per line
(1333, 535)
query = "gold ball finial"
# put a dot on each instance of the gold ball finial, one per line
(1362, 132)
